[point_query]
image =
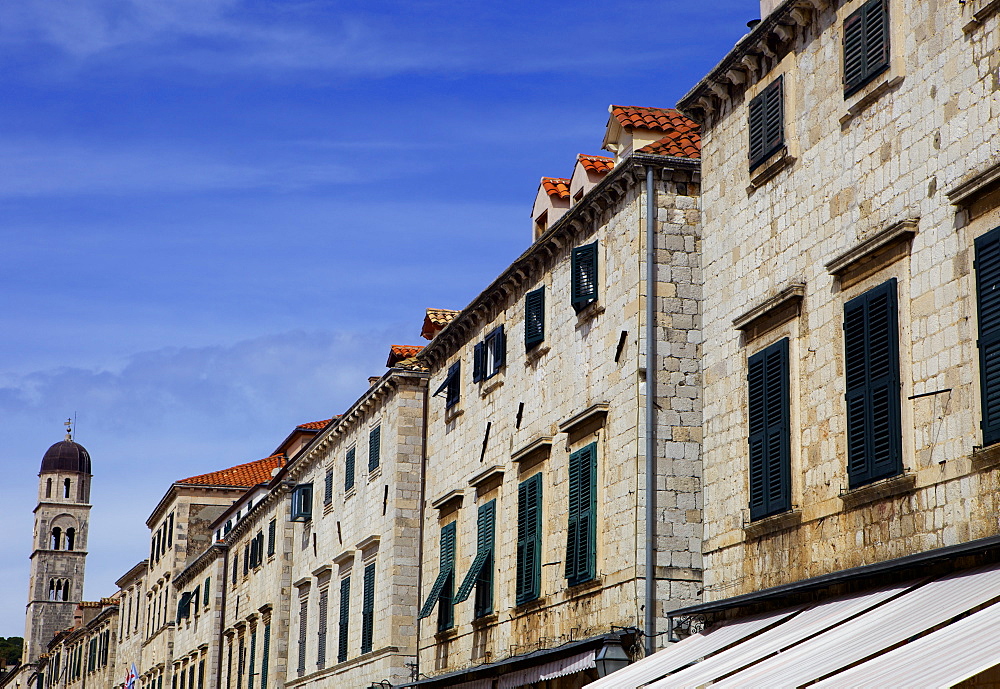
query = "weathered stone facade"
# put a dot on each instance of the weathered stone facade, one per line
(84, 654)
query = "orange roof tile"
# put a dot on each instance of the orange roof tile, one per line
(399, 353)
(314, 425)
(598, 164)
(676, 146)
(556, 186)
(663, 119)
(243, 475)
(435, 320)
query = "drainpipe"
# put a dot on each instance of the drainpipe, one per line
(650, 622)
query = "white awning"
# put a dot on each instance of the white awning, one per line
(690, 650)
(808, 623)
(550, 670)
(941, 659)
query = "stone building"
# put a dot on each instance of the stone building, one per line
(84, 654)
(132, 607)
(852, 263)
(538, 432)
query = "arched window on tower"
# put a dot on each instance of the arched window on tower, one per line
(65, 591)
(52, 589)
(66, 485)
(48, 488)
(70, 538)
(54, 542)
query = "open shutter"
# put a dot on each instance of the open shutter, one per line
(484, 548)
(534, 318)
(499, 350)
(584, 275)
(478, 362)
(871, 346)
(349, 470)
(988, 301)
(529, 545)
(769, 431)
(345, 618)
(447, 559)
(374, 448)
(368, 609)
(454, 383)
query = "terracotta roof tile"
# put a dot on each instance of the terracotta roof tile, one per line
(399, 353)
(435, 320)
(598, 164)
(676, 146)
(556, 186)
(663, 119)
(243, 475)
(314, 425)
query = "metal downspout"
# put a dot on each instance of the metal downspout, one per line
(650, 582)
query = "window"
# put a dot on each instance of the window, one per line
(56, 539)
(581, 532)
(534, 318)
(871, 366)
(489, 355)
(349, 471)
(345, 618)
(767, 123)
(236, 569)
(368, 609)
(184, 607)
(328, 488)
(988, 303)
(480, 575)
(584, 276)
(529, 539)
(265, 653)
(374, 448)
(303, 627)
(866, 44)
(66, 485)
(302, 502)
(769, 431)
(451, 386)
(70, 538)
(207, 590)
(253, 657)
(441, 591)
(324, 597)
(271, 529)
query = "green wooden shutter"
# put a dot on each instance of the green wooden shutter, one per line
(581, 533)
(368, 609)
(767, 123)
(207, 591)
(988, 303)
(866, 44)
(265, 655)
(447, 559)
(349, 470)
(484, 547)
(328, 487)
(534, 318)
(871, 363)
(324, 606)
(478, 362)
(303, 627)
(345, 618)
(584, 275)
(769, 431)
(446, 599)
(271, 533)
(201, 676)
(454, 383)
(253, 657)
(529, 544)
(374, 448)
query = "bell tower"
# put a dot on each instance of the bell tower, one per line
(59, 550)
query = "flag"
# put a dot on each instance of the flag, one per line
(130, 678)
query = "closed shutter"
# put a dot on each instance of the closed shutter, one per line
(324, 597)
(265, 655)
(529, 544)
(271, 529)
(368, 609)
(988, 302)
(246, 559)
(584, 275)
(866, 44)
(201, 676)
(253, 658)
(499, 344)
(374, 448)
(303, 629)
(769, 431)
(349, 470)
(580, 532)
(328, 487)
(478, 362)
(871, 363)
(534, 318)
(345, 618)
(767, 123)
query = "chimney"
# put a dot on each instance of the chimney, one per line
(768, 6)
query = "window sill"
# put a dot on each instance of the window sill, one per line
(589, 312)
(868, 95)
(891, 487)
(485, 620)
(986, 457)
(446, 634)
(535, 353)
(773, 524)
(583, 588)
(452, 414)
(760, 175)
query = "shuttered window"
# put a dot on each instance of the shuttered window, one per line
(480, 575)
(184, 607)
(769, 431)
(303, 628)
(374, 448)
(489, 356)
(349, 470)
(866, 44)
(328, 488)
(253, 658)
(529, 540)
(767, 123)
(324, 600)
(441, 590)
(302, 502)
(201, 676)
(271, 529)
(265, 654)
(368, 609)
(988, 301)
(583, 270)
(871, 363)
(345, 619)
(451, 385)
(534, 318)
(581, 532)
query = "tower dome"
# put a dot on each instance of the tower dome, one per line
(66, 455)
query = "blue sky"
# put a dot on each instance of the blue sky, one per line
(217, 215)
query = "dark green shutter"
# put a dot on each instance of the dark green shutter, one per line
(529, 539)
(478, 362)
(454, 385)
(769, 431)
(324, 606)
(485, 527)
(498, 344)
(303, 626)
(349, 470)
(345, 618)
(374, 448)
(265, 654)
(447, 559)
(368, 609)
(584, 275)
(253, 657)
(201, 676)
(988, 302)
(866, 44)
(871, 363)
(328, 487)
(767, 123)
(581, 534)
(271, 528)
(534, 318)
(207, 591)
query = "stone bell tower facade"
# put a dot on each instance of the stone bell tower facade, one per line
(59, 551)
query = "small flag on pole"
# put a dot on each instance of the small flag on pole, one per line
(130, 678)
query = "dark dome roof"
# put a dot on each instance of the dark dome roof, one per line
(66, 456)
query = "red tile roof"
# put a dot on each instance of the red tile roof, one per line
(663, 119)
(556, 186)
(399, 353)
(598, 164)
(435, 320)
(676, 146)
(314, 425)
(243, 475)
